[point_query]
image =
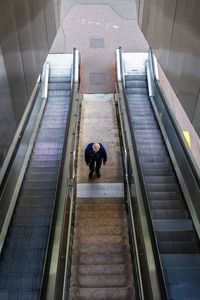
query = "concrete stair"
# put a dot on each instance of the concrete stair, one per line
(101, 261)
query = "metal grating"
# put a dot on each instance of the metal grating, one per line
(97, 43)
(100, 190)
(97, 78)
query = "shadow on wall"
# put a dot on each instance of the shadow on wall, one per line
(27, 30)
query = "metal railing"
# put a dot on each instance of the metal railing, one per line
(130, 208)
(7, 164)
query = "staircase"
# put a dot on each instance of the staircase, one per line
(101, 264)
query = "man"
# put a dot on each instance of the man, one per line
(95, 153)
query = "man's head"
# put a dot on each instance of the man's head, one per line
(95, 147)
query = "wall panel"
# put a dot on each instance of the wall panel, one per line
(172, 28)
(27, 30)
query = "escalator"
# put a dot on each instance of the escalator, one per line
(176, 240)
(25, 249)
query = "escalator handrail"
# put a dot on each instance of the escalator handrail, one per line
(73, 185)
(193, 166)
(7, 164)
(136, 252)
(44, 281)
(18, 184)
(163, 288)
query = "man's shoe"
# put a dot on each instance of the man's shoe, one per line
(90, 174)
(98, 173)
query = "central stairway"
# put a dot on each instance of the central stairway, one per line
(101, 260)
(101, 264)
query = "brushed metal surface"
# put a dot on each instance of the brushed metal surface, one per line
(172, 30)
(27, 30)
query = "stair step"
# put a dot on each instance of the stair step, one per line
(99, 222)
(100, 259)
(100, 200)
(95, 281)
(118, 269)
(104, 249)
(99, 231)
(100, 214)
(112, 293)
(99, 207)
(101, 240)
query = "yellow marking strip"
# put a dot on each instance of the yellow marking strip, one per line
(187, 137)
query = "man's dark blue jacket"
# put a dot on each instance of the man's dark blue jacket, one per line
(90, 154)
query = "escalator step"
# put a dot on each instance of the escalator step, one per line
(149, 152)
(162, 187)
(58, 86)
(21, 282)
(173, 225)
(18, 294)
(176, 236)
(27, 200)
(64, 93)
(32, 220)
(178, 247)
(160, 179)
(39, 184)
(49, 164)
(38, 192)
(29, 230)
(182, 275)
(21, 267)
(13, 253)
(157, 172)
(166, 195)
(59, 78)
(169, 214)
(155, 159)
(136, 77)
(166, 204)
(136, 84)
(41, 176)
(180, 261)
(156, 166)
(141, 91)
(27, 210)
(41, 170)
(26, 241)
(184, 291)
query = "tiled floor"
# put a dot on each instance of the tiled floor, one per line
(97, 30)
(99, 124)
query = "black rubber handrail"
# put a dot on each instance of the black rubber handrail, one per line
(10, 157)
(162, 283)
(44, 281)
(192, 166)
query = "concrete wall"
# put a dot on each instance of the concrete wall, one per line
(27, 31)
(172, 29)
